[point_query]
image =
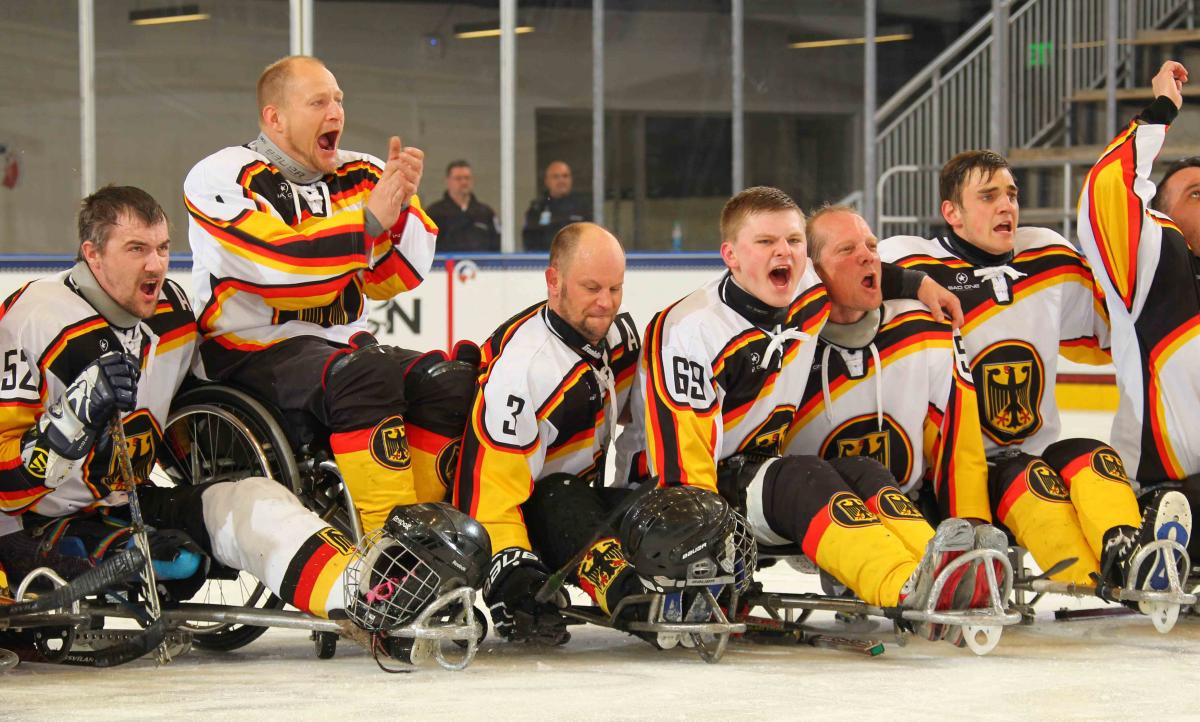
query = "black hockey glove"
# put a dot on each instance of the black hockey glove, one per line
(515, 577)
(72, 423)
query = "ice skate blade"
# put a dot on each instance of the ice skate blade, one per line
(991, 637)
(1162, 614)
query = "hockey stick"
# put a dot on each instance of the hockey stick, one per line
(115, 569)
(556, 580)
(138, 529)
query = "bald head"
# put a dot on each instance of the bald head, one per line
(585, 279)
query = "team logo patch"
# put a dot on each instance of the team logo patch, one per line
(861, 436)
(1106, 463)
(894, 505)
(848, 510)
(447, 461)
(1045, 483)
(36, 466)
(389, 444)
(337, 540)
(768, 436)
(1010, 379)
(140, 435)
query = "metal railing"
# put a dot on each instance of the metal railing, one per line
(1054, 50)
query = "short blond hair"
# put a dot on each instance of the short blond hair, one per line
(273, 82)
(756, 199)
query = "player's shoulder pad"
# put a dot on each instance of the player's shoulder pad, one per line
(624, 331)
(176, 296)
(1031, 237)
(222, 166)
(346, 157)
(895, 248)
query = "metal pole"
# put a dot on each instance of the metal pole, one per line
(1111, 20)
(87, 97)
(998, 124)
(598, 111)
(300, 27)
(737, 104)
(870, 161)
(508, 125)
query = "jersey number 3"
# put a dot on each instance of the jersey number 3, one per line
(516, 404)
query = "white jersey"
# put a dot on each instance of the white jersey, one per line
(1020, 314)
(905, 399)
(547, 403)
(49, 334)
(1151, 281)
(722, 374)
(275, 258)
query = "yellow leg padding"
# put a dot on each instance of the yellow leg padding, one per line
(377, 467)
(867, 558)
(1050, 531)
(1102, 501)
(902, 518)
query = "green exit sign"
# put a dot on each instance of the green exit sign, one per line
(1039, 53)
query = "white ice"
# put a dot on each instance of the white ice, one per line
(1109, 668)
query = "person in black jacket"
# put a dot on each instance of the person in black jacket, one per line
(464, 224)
(557, 208)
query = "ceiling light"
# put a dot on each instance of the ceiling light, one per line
(466, 31)
(836, 42)
(164, 15)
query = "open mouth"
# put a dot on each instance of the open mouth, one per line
(870, 281)
(150, 288)
(1006, 227)
(780, 275)
(327, 141)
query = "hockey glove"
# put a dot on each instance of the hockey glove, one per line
(515, 577)
(72, 423)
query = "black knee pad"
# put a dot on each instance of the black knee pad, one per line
(561, 515)
(361, 386)
(1103, 458)
(439, 393)
(795, 490)
(1043, 480)
(177, 507)
(864, 475)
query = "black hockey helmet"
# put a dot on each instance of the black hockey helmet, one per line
(422, 551)
(682, 534)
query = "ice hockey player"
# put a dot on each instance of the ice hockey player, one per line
(1143, 247)
(112, 336)
(554, 384)
(1028, 296)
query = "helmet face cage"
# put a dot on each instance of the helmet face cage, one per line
(388, 583)
(740, 556)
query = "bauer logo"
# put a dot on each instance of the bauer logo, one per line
(694, 550)
(848, 510)
(1106, 463)
(389, 444)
